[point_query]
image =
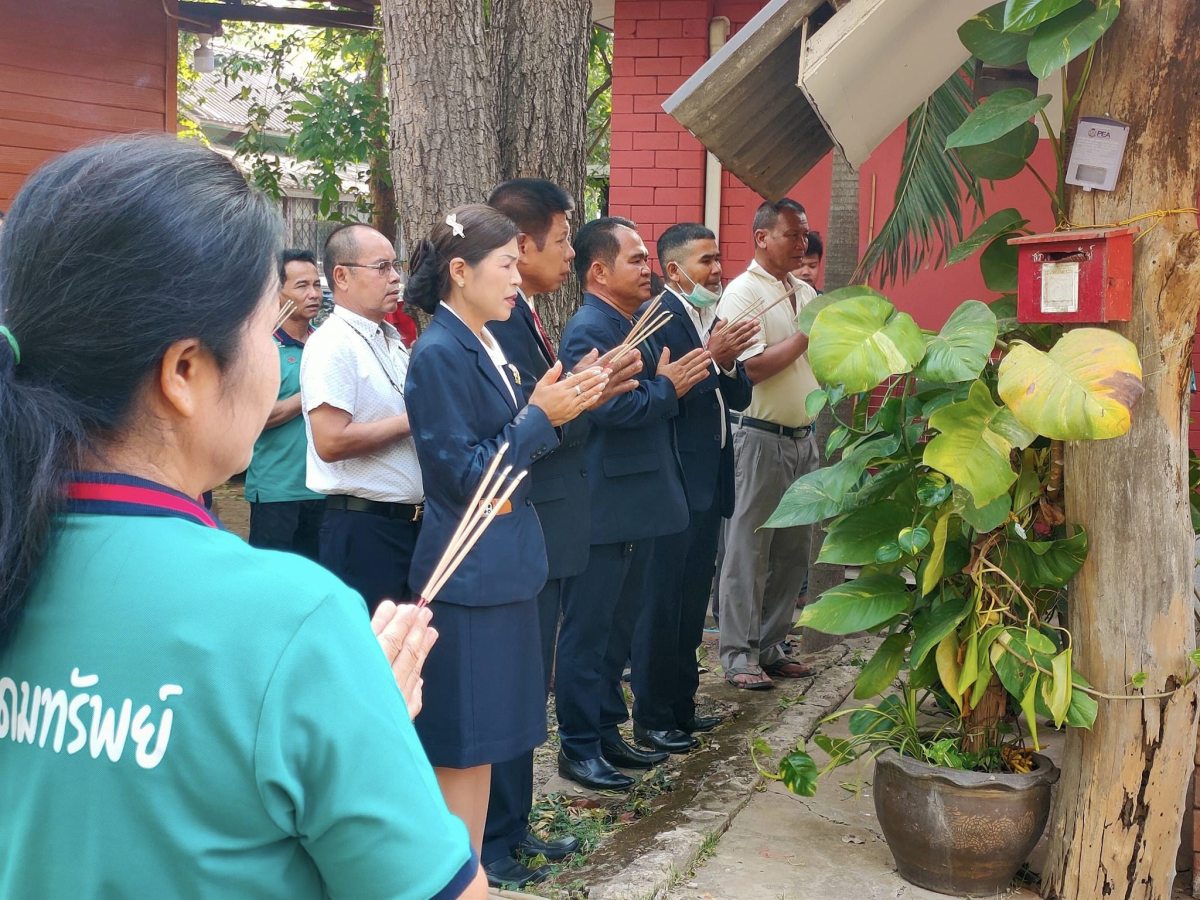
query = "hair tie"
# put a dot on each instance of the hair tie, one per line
(12, 342)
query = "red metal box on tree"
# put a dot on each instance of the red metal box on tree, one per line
(1075, 276)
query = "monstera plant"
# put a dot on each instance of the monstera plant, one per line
(948, 496)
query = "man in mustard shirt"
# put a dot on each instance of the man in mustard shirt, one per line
(761, 572)
(284, 513)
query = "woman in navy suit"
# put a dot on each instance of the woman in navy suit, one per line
(483, 698)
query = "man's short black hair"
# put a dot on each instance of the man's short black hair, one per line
(597, 241)
(341, 247)
(768, 213)
(532, 203)
(292, 255)
(673, 243)
(816, 246)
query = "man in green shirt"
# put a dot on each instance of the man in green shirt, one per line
(284, 513)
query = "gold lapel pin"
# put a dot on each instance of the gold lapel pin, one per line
(516, 375)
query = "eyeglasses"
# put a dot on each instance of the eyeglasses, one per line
(380, 267)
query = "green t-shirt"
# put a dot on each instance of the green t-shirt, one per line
(280, 463)
(182, 715)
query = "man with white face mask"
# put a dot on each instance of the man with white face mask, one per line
(671, 623)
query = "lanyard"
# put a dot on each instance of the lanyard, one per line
(383, 364)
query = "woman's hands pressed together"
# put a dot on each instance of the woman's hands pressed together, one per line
(562, 399)
(406, 638)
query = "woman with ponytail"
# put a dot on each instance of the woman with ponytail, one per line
(181, 715)
(484, 700)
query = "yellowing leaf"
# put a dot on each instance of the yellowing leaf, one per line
(1059, 700)
(975, 440)
(932, 573)
(1083, 389)
(1029, 707)
(948, 668)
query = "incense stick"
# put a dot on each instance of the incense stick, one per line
(660, 323)
(288, 309)
(467, 520)
(745, 315)
(484, 521)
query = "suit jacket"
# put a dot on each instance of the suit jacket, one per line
(559, 488)
(635, 479)
(707, 466)
(461, 412)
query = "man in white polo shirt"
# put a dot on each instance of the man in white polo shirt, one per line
(762, 571)
(360, 449)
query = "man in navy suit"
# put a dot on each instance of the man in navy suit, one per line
(637, 495)
(559, 491)
(671, 624)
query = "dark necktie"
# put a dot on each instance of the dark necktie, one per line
(537, 322)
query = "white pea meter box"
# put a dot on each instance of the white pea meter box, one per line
(1097, 154)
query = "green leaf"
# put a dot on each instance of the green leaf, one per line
(930, 626)
(969, 673)
(1083, 708)
(1005, 156)
(1021, 15)
(934, 188)
(876, 719)
(813, 497)
(1057, 692)
(1070, 33)
(1048, 564)
(998, 223)
(933, 488)
(1028, 699)
(860, 605)
(836, 438)
(976, 438)
(888, 553)
(1194, 656)
(853, 539)
(1085, 388)
(1139, 679)
(810, 311)
(913, 540)
(798, 772)
(861, 341)
(1029, 486)
(998, 114)
(881, 670)
(999, 264)
(887, 417)
(935, 565)
(961, 349)
(948, 667)
(815, 402)
(983, 34)
(1038, 642)
(989, 518)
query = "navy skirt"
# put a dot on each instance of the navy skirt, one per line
(483, 694)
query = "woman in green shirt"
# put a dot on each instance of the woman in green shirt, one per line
(181, 715)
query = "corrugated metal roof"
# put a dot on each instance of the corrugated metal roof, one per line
(744, 106)
(211, 100)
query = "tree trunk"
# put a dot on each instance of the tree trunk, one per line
(541, 70)
(443, 109)
(383, 198)
(841, 259)
(983, 716)
(1121, 798)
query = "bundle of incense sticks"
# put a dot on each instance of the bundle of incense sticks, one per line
(288, 309)
(747, 314)
(490, 496)
(650, 321)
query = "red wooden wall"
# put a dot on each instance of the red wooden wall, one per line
(74, 71)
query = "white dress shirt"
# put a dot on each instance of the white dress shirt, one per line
(703, 321)
(354, 365)
(492, 347)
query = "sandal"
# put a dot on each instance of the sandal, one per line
(751, 678)
(789, 668)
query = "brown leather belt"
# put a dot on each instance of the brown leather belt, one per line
(408, 512)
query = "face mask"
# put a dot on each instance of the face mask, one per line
(700, 296)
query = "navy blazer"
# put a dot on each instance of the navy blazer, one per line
(559, 490)
(636, 483)
(707, 466)
(461, 412)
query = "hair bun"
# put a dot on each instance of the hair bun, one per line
(422, 287)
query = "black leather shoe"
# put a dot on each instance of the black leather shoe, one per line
(624, 756)
(508, 872)
(533, 845)
(670, 741)
(700, 724)
(596, 774)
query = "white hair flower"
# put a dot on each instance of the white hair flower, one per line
(452, 221)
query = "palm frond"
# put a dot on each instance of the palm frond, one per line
(934, 186)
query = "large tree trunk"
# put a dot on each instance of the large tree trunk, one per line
(541, 70)
(383, 197)
(1121, 797)
(443, 109)
(841, 259)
